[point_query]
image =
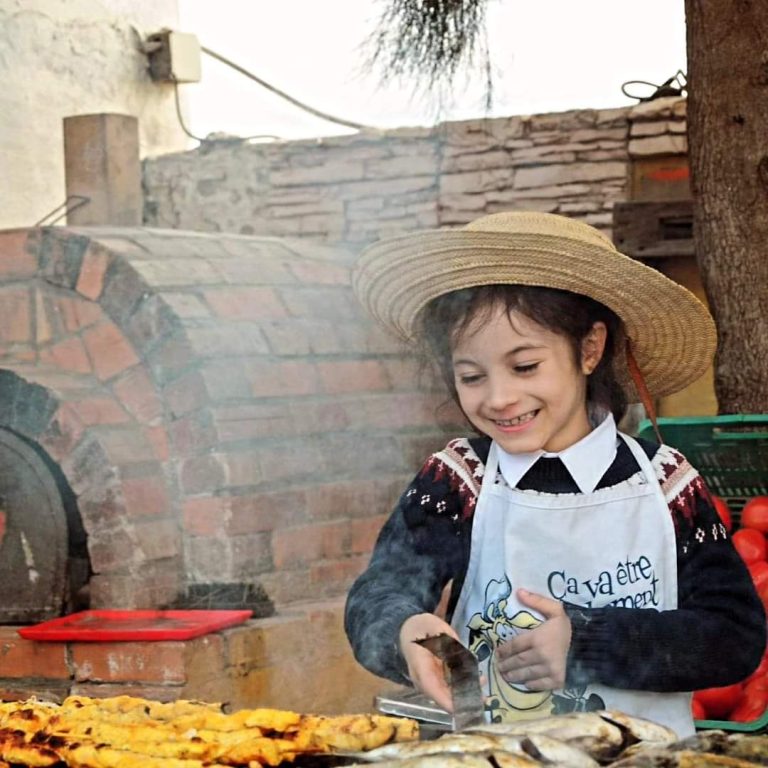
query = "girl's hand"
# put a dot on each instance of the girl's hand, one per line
(537, 658)
(424, 668)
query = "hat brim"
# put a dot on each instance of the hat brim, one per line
(672, 334)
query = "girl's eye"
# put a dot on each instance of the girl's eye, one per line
(470, 378)
(527, 368)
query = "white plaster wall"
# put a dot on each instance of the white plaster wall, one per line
(70, 57)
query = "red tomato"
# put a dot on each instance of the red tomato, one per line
(755, 684)
(750, 544)
(755, 514)
(719, 702)
(750, 706)
(724, 511)
(697, 710)
(759, 573)
(760, 672)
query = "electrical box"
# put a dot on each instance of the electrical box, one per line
(174, 57)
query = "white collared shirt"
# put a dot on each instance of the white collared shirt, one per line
(586, 460)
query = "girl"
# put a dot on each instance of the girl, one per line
(587, 569)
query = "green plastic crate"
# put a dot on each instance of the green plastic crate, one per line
(730, 452)
(726, 725)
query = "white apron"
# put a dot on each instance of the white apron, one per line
(614, 546)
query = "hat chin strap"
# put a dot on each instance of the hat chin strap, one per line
(642, 390)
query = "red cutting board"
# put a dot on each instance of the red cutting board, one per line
(118, 626)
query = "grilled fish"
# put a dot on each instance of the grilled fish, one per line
(601, 739)
(685, 758)
(640, 729)
(455, 760)
(541, 748)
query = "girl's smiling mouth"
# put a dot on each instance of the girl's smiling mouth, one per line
(518, 421)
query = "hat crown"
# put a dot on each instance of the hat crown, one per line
(533, 223)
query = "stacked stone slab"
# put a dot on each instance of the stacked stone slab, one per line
(355, 189)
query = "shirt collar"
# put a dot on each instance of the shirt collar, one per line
(586, 460)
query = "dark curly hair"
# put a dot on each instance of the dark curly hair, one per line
(442, 322)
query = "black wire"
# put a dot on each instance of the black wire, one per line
(212, 141)
(282, 94)
(81, 201)
(181, 118)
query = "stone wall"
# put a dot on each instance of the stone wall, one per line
(355, 189)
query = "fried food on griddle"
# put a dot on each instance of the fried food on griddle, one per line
(130, 732)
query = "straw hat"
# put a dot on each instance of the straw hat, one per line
(671, 333)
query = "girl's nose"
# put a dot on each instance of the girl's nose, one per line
(502, 393)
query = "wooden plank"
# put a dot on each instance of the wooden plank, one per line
(655, 179)
(101, 159)
(645, 230)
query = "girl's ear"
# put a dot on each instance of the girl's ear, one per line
(592, 347)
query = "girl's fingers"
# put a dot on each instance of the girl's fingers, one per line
(548, 607)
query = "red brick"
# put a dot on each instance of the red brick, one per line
(290, 460)
(90, 282)
(225, 380)
(78, 313)
(265, 511)
(300, 545)
(257, 420)
(402, 374)
(109, 549)
(250, 554)
(157, 437)
(192, 434)
(109, 350)
(281, 379)
(185, 394)
(203, 474)
(146, 496)
(26, 658)
(335, 577)
(124, 444)
(16, 260)
(99, 410)
(15, 315)
(62, 433)
(157, 540)
(364, 532)
(137, 393)
(227, 338)
(244, 303)
(43, 328)
(357, 498)
(320, 416)
(244, 468)
(323, 273)
(69, 354)
(341, 376)
(156, 662)
(205, 516)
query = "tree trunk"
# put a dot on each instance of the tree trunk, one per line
(728, 150)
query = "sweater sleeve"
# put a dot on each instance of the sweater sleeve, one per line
(422, 546)
(717, 634)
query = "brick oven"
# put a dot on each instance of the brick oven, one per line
(181, 410)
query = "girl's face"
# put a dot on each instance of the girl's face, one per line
(518, 382)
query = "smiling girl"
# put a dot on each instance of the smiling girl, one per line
(587, 569)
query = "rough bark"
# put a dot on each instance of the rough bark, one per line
(728, 151)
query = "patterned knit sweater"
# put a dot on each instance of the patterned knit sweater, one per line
(715, 637)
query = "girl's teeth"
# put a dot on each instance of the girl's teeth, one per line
(514, 422)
